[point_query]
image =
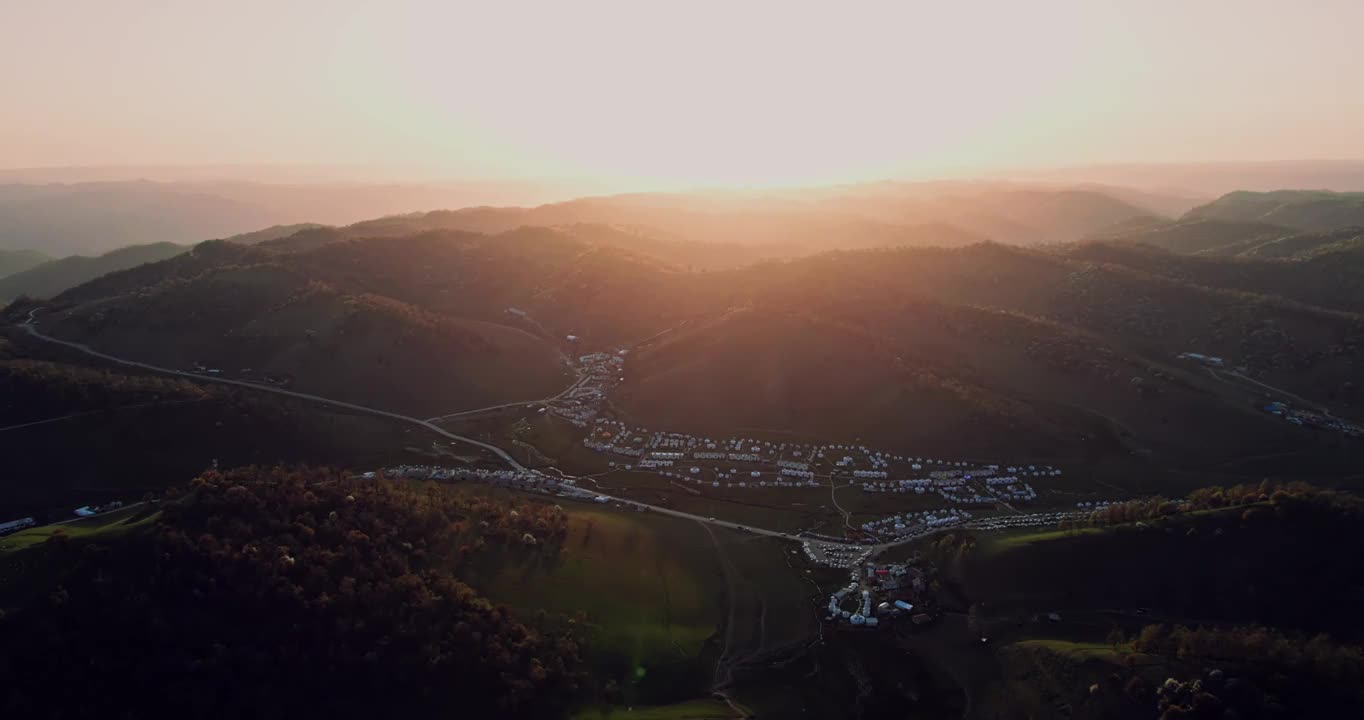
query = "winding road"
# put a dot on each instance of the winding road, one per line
(30, 325)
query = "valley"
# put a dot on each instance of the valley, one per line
(730, 447)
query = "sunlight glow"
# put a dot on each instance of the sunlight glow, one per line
(757, 92)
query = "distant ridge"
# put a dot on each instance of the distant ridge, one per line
(55, 276)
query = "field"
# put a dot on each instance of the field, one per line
(99, 526)
(30, 565)
(650, 592)
(692, 710)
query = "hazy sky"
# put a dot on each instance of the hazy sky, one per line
(696, 91)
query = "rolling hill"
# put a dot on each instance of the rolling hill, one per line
(255, 314)
(1200, 236)
(988, 349)
(65, 213)
(1299, 209)
(1321, 277)
(14, 261)
(52, 277)
(979, 350)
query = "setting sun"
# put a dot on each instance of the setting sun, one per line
(679, 93)
(667, 359)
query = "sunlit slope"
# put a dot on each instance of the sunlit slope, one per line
(1301, 209)
(337, 340)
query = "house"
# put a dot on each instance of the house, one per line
(16, 525)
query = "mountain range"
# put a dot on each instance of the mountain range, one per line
(1066, 350)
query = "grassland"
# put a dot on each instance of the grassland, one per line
(100, 526)
(649, 590)
(692, 710)
(996, 543)
(1078, 651)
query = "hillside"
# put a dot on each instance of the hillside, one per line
(62, 213)
(982, 350)
(155, 431)
(870, 363)
(267, 320)
(1308, 245)
(1319, 276)
(274, 232)
(1299, 209)
(14, 261)
(97, 217)
(55, 276)
(255, 579)
(1201, 236)
(1031, 217)
(741, 227)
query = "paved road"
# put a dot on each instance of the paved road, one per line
(520, 403)
(30, 326)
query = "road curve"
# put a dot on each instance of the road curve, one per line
(32, 329)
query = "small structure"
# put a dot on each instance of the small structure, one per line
(16, 525)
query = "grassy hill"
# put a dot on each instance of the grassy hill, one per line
(1201, 236)
(1063, 353)
(923, 376)
(1239, 582)
(274, 232)
(1308, 245)
(257, 578)
(267, 319)
(143, 432)
(55, 276)
(1323, 279)
(729, 229)
(1301, 209)
(1237, 238)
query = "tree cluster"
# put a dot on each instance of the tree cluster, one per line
(274, 593)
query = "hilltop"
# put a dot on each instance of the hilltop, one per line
(258, 578)
(155, 431)
(1067, 352)
(1160, 603)
(50, 278)
(14, 261)
(1320, 277)
(1199, 236)
(269, 317)
(1299, 209)
(803, 222)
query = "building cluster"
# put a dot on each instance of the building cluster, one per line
(974, 486)
(834, 554)
(16, 525)
(1009, 522)
(911, 524)
(1208, 360)
(523, 480)
(752, 463)
(861, 614)
(90, 510)
(897, 587)
(597, 374)
(1310, 419)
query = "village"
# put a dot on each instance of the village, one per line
(881, 593)
(754, 463)
(1309, 419)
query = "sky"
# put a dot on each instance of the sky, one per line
(697, 92)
